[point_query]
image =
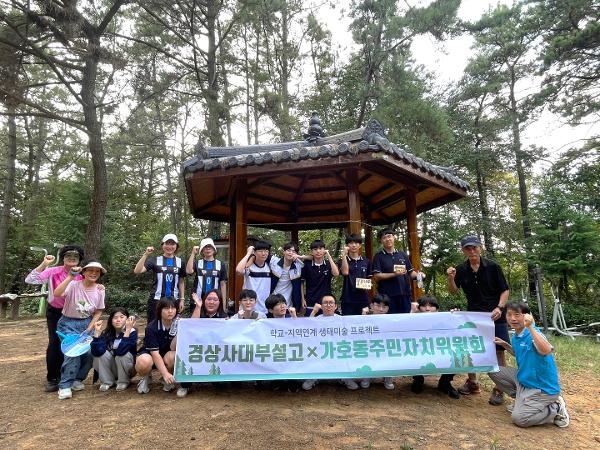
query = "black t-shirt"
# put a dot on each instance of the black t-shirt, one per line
(357, 268)
(318, 281)
(384, 262)
(482, 288)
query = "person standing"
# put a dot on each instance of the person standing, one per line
(169, 274)
(317, 275)
(356, 270)
(486, 289)
(209, 272)
(286, 275)
(393, 271)
(69, 256)
(257, 273)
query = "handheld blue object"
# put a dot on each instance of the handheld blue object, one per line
(73, 345)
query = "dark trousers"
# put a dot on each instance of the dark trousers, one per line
(54, 355)
(400, 304)
(445, 379)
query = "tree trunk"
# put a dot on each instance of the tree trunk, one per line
(484, 211)
(94, 131)
(285, 128)
(9, 191)
(523, 197)
(211, 94)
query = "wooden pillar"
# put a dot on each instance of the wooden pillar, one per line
(413, 237)
(368, 245)
(238, 237)
(294, 238)
(354, 217)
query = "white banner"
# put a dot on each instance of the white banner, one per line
(334, 347)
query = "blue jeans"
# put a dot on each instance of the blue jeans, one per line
(74, 368)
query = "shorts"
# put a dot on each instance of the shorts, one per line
(501, 332)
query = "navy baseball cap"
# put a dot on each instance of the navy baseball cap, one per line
(470, 240)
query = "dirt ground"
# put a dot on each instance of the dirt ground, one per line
(328, 417)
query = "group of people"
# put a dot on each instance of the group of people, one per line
(279, 287)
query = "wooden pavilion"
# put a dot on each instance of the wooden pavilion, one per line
(356, 179)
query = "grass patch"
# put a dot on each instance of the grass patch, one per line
(576, 356)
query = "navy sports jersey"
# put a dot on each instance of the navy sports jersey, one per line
(208, 275)
(357, 268)
(318, 281)
(167, 272)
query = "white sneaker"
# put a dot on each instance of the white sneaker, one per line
(562, 418)
(365, 384)
(309, 384)
(143, 386)
(167, 387)
(122, 386)
(388, 383)
(350, 384)
(182, 392)
(78, 385)
(104, 387)
(64, 393)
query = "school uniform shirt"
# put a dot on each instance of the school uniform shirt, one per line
(259, 280)
(384, 262)
(119, 346)
(54, 276)
(318, 281)
(208, 276)
(357, 268)
(285, 278)
(482, 288)
(82, 302)
(167, 272)
(157, 338)
(534, 371)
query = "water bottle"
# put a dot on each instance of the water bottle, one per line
(173, 329)
(419, 280)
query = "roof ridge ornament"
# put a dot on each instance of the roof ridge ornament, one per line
(315, 130)
(374, 134)
(201, 150)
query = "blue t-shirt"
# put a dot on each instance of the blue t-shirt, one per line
(534, 371)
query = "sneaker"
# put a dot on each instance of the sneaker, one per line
(167, 387)
(350, 384)
(470, 387)
(510, 407)
(143, 386)
(449, 390)
(122, 386)
(562, 418)
(417, 385)
(365, 384)
(182, 392)
(309, 384)
(51, 386)
(388, 384)
(78, 385)
(496, 397)
(105, 387)
(64, 393)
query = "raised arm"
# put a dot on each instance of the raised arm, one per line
(345, 268)
(140, 267)
(62, 287)
(189, 267)
(452, 287)
(334, 268)
(241, 267)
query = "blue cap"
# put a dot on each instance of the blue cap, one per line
(470, 240)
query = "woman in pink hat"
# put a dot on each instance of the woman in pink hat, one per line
(168, 271)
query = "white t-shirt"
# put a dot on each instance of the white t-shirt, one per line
(259, 280)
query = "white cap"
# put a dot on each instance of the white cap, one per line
(169, 237)
(95, 264)
(207, 241)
